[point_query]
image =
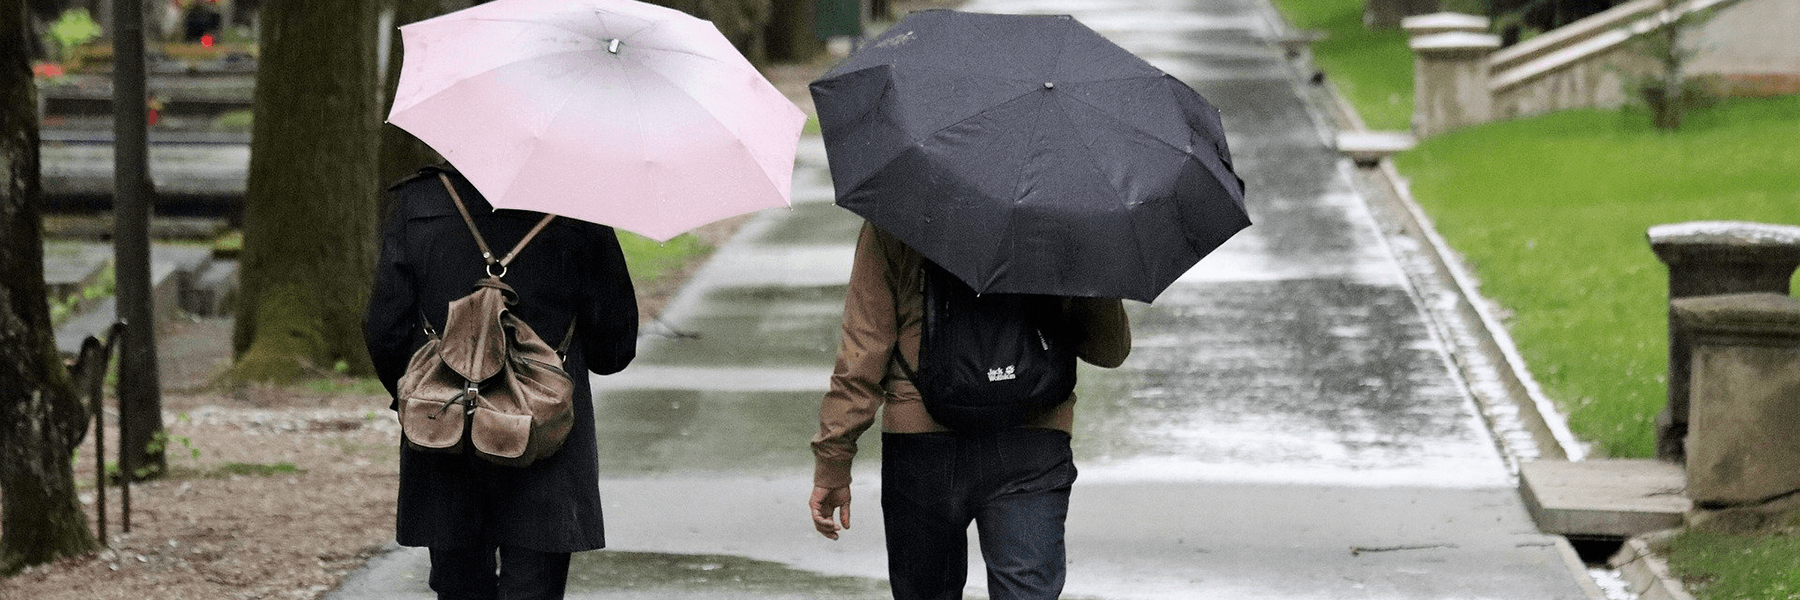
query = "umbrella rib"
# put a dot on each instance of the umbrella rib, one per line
(1124, 203)
(627, 36)
(658, 189)
(737, 140)
(535, 57)
(1109, 116)
(917, 140)
(550, 25)
(983, 110)
(539, 133)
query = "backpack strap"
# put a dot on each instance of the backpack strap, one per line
(481, 243)
(562, 349)
(925, 316)
(906, 368)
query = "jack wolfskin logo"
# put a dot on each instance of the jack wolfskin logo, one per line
(1002, 374)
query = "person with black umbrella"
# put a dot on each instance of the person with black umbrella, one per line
(1013, 482)
(1020, 161)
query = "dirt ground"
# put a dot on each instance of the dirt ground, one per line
(274, 492)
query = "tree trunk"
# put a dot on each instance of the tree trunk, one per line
(310, 206)
(789, 36)
(41, 419)
(401, 153)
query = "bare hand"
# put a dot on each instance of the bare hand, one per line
(824, 502)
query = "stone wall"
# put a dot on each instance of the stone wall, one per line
(1600, 81)
(1752, 37)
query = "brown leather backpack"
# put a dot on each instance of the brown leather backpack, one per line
(489, 384)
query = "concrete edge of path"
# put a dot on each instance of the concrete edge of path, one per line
(1516, 397)
(1517, 391)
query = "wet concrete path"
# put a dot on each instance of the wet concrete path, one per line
(1287, 427)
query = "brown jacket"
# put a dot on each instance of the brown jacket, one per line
(884, 304)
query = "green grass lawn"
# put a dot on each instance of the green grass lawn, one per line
(1718, 566)
(649, 260)
(1551, 214)
(1372, 69)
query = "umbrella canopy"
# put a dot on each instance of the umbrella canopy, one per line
(612, 111)
(1027, 154)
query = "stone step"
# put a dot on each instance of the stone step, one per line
(70, 267)
(1604, 498)
(183, 279)
(215, 169)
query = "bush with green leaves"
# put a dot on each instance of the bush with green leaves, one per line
(74, 28)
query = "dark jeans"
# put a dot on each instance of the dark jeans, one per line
(1013, 484)
(469, 574)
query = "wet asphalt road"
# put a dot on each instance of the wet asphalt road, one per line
(1286, 428)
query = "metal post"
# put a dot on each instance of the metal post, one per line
(140, 392)
(98, 401)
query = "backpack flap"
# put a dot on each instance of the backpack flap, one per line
(474, 340)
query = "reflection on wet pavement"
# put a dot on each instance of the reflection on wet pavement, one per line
(709, 576)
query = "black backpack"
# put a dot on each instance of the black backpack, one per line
(989, 361)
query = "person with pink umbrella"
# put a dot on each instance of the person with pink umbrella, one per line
(613, 113)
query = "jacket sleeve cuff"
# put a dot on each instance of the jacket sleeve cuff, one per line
(831, 474)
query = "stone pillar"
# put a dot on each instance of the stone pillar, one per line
(1386, 14)
(1443, 22)
(1708, 258)
(1450, 81)
(1743, 448)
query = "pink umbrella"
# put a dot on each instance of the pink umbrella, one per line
(612, 111)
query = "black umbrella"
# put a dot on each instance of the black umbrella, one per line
(1027, 154)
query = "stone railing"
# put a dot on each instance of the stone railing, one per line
(1463, 77)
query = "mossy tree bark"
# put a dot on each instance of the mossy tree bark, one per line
(789, 36)
(41, 418)
(310, 206)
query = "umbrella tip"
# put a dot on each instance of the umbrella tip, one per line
(613, 46)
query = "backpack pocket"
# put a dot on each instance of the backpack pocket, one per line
(433, 418)
(501, 437)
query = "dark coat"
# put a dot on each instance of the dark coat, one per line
(572, 270)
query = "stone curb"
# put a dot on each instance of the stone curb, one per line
(1572, 560)
(1646, 572)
